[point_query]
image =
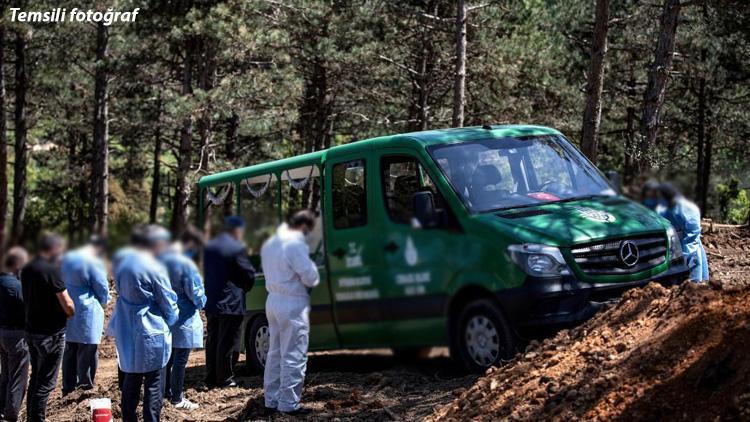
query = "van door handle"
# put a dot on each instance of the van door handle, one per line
(391, 247)
(339, 253)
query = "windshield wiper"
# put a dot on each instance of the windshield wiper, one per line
(539, 204)
(579, 198)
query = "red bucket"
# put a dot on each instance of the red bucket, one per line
(101, 410)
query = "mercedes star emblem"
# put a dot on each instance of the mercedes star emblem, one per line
(629, 253)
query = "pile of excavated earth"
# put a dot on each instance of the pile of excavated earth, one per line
(679, 353)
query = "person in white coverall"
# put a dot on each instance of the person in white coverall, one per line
(289, 274)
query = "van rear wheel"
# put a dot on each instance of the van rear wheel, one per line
(256, 344)
(482, 336)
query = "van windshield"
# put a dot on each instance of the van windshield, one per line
(495, 174)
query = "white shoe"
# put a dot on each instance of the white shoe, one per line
(186, 404)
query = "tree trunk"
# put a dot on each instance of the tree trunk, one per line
(156, 176)
(3, 148)
(658, 75)
(101, 133)
(73, 199)
(230, 151)
(706, 168)
(592, 115)
(205, 135)
(185, 150)
(423, 79)
(19, 165)
(206, 77)
(700, 188)
(459, 82)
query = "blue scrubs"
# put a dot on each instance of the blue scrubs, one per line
(686, 219)
(187, 283)
(146, 308)
(187, 333)
(85, 278)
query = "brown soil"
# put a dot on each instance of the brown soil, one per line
(676, 353)
(659, 354)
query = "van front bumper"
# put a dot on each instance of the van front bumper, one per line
(558, 302)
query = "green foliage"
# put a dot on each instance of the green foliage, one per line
(301, 75)
(739, 209)
(727, 193)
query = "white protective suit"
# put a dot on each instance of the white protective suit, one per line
(289, 274)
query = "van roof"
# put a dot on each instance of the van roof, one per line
(425, 138)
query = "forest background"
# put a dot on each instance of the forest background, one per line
(103, 127)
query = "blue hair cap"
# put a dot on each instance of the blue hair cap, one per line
(233, 222)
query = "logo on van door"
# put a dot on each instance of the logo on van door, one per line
(595, 215)
(354, 256)
(410, 254)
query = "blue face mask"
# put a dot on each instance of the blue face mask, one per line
(189, 253)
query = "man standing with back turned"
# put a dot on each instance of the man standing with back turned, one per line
(48, 307)
(14, 353)
(290, 274)
(146, 307)
(229, 276)
(85, 277)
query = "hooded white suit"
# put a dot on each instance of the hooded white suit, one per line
(289, 274)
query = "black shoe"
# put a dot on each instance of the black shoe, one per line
(228, 385)
(301, 411)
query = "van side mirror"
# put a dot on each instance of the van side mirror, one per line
(424, 209)
(614, 180)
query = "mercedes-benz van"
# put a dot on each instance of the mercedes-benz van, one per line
(462, 237)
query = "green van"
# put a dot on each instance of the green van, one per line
(465, 237)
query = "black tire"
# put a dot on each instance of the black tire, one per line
(472, 342)
(254, 360)
(411, 354)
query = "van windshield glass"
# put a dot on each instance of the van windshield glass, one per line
(504, 173)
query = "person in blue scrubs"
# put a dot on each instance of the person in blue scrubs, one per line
(651, 197)
(145, 309)
(187, 333)
(85, 277)
(685, 217)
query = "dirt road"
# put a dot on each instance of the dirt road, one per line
(581, 373)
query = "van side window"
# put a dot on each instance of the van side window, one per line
(402, 177)
(260, 208)
(349, 195)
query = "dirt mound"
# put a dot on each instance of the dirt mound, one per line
(728, 251)
(678, 353)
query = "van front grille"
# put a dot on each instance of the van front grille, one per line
(620, 257)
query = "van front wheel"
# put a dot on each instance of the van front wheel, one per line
(256, 344)
(482, 336)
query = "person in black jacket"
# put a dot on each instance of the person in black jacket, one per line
(229, 275)
(14, 352)
(47, 308)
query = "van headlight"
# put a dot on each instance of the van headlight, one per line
(539, 260)
(675, 247)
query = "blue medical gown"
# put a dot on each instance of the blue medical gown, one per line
(85, 279)
(187, 283)
(146, 307)
(686, 219)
